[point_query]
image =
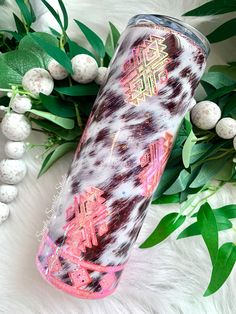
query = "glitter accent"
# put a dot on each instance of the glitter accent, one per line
(145, 70)
(154, 162)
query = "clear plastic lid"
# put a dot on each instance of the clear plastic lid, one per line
(174, 24)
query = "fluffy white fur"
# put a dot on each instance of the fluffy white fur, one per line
(167, 279)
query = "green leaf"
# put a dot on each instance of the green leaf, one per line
(208, 171)
(227, 211)
(180, 183)
(199, 150)
(169, 176)
(79, 90)
(222, 268)
(28, 44)
(228, 70)
(57, 106)
(187, 149)
(55, 52)
(25, 11)
(167, 199)
(208, 228)
(225, 31)
(225, 172)
(93, 39)
(193, 230)
(221, 91)
(54, 32)
(55, 155)
(230, 107)
(112, 40)
(53, 12)
(63, 122)
(213, 8)
(17, 36)
(217, 79)
(166, 226)
(67, 135)
(13, 66)
(75, 49)
(19, 25)
(65, 15)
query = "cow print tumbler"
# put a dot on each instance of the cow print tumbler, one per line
(122, 155)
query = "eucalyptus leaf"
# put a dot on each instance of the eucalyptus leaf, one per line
(55, 52)
(53, 12)
(112, 40)
(59, 152)
(26, 12)
(230, 107)
(187, 149)
(217, 79)
(75, 49)
(227, 211)
(19, 25)
(208, 171)
(166, 226)
(68, 135)
(221, 91)
(79, 90)
(213, 8)
(199, 150)
(94, 40)
(222, 267)
(63, 122)
(57, 106)
(208, 228)
(30, 45)
(180, 183)
(167, 199)
(193, 230)
(225, 31)
(227, 70)
(65, 15)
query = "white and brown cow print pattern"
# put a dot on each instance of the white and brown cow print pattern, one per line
(103, 203)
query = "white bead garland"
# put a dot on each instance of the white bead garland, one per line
(101, 77)
(21, 104)
(8, 193)
(12, 171)
(15, 127)
(205, 115)
(226, 128)
(4, 212)
(38, 81)
(56, 70)
(15, 150)
(85, 68)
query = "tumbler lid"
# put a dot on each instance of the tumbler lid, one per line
(176, 25)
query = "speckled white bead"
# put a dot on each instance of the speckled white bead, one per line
(15, 150)
(38, 81)
(234, 142)
(57, 71)
(15, 127)
(205, 115)
(85, 68)
(226, 128)
(4, 212)
(8, 193)
(21, 104)
(101, 77)
(12, 171)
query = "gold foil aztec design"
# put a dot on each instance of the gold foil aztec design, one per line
(145, 70)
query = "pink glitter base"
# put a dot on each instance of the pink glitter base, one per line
(53, 281)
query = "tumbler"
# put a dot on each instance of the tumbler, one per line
(121, 155)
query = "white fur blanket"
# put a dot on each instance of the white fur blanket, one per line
(167, 279)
